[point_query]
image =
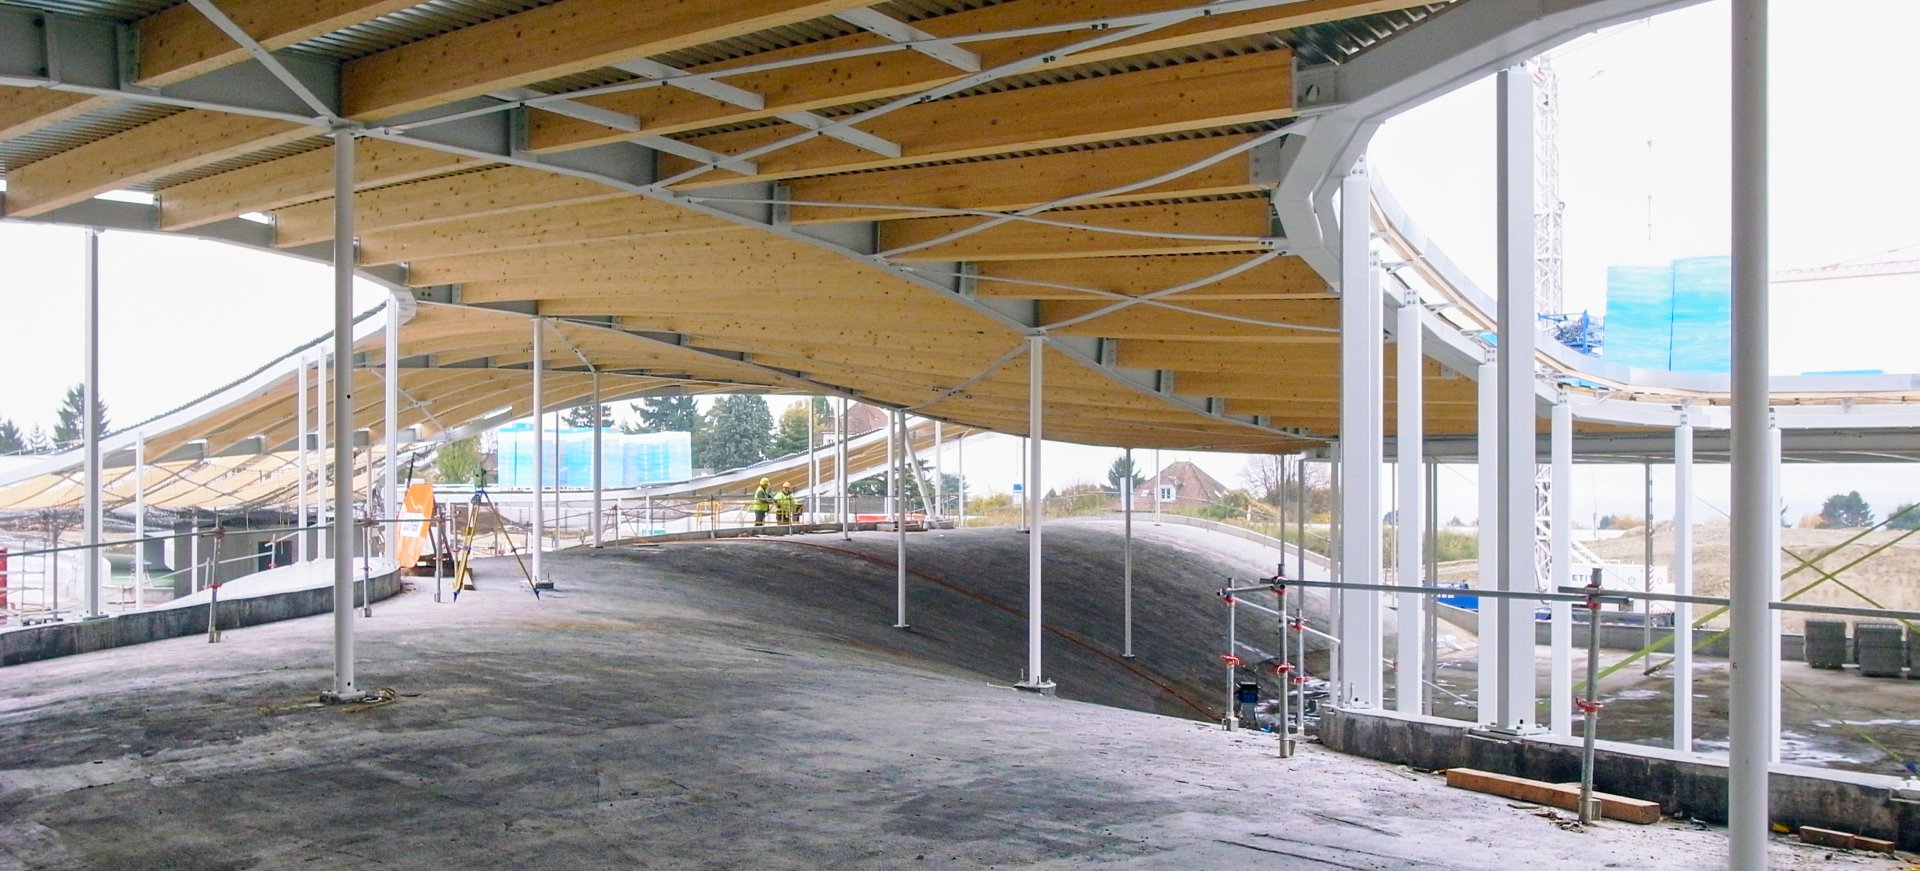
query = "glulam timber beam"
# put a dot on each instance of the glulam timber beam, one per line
(1154, 322)
(1016, 183)
(296, 179)
(500, 190)
(178, 142)
(664, 111)
(1022, 240)
(552, 41)
(178, 43)
(627, 218)
(24, 110)
(1179, 98)
(1279, 278)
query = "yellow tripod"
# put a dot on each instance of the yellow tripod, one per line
(462, 573)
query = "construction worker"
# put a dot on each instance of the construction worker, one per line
(762, 499)
(784, 505)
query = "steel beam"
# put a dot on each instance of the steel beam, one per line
(1560, 511)
(1035, 680)
(1487, 472)
(90, 427)
(1514, 240)
(344, 687)
(534, 544)
(1362, 404)
(1409, 521)
(1681, 571)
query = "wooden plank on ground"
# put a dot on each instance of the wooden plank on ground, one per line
(1831, 838)
(1560, 795)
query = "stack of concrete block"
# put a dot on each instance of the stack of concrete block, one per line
(1880, 648)
(1826, 643)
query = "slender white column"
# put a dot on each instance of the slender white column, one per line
(535, 544)
(960, 471)
(1412, 517)
(1126, 561)
(1514, 240)
(1036, 350)
(1487, 457)
(90, 428)
(898, 427)
(1755, 530)
(1156, 486)
(344, 688)
(1682, 573)
(1362, 397)
(1560, 506)
(1410, 523)
(594, 522)
(300, 453)
(559, 479)
(140, 518)
(840, 472)
(1772, 577)
(390, 425)
(939, 474)
(813, 460)
(891, 499)
(322, 436)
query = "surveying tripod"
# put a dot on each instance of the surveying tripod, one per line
(462, 573)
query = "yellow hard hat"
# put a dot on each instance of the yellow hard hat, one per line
(765, 480)
(786, 484)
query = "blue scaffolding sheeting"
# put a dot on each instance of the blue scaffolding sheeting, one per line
(627, 459)
(1677, 317)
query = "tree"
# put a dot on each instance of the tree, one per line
(37, 441)
(739, 432)
(1907, 516)
(459, 462)
(583, 416)
(665, 414)
(11, 441)
(67, 430)
(1846, 511)
(793, 436)
(1122, 476)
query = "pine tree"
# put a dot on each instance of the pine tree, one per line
(1122, 474)
(67, 430)
(583, 416)
(739, 433)
(37, 441)
(1846, 511)
(11, 441)
(665, 414)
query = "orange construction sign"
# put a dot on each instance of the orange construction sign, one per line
(416, 511)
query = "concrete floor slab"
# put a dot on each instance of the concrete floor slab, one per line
(651, 715)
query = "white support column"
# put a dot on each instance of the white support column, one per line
(840, 472)
(939, 475)
(1126, 560)
(559, 479)
(322, 436)
(390, 425)
(1156, 486)
(1514, 240)
(90, 429)
(960, 471)
(1487, 457)
(890, 501)
(595, 524)
(1410, 523)
(898, 432)
(301, 430)
(813, 459)
(1561, 507)
(344, 688)
(140, 518)
(535, 544)
(1755, 529)
(1773, 592)
(1362, 399)
(1682, 573)
(1036, 680)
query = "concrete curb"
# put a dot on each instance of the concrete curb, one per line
(54, 640)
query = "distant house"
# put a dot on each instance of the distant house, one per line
(1179, 486)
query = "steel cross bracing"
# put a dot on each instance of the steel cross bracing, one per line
(459, 142)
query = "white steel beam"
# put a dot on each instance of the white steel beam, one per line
(1362, 405)
(300, 452)
(344, 688)
(1755, 530)
(1036, 680)
(539, 413)
(594, 521)
(90, 427)
(897, 460)
(1487, 456)
(1514, 240)
(1681, 571)
(1560, 510)
(913, 38)
(1410, 520)
(390, 428)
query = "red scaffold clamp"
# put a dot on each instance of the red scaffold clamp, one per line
(1226, 600)
(1283, 668)
(1230, 659)
(1588, 706)
(1298, 624)
(1299, 679)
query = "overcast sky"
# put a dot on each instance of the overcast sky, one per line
(1643, 141)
